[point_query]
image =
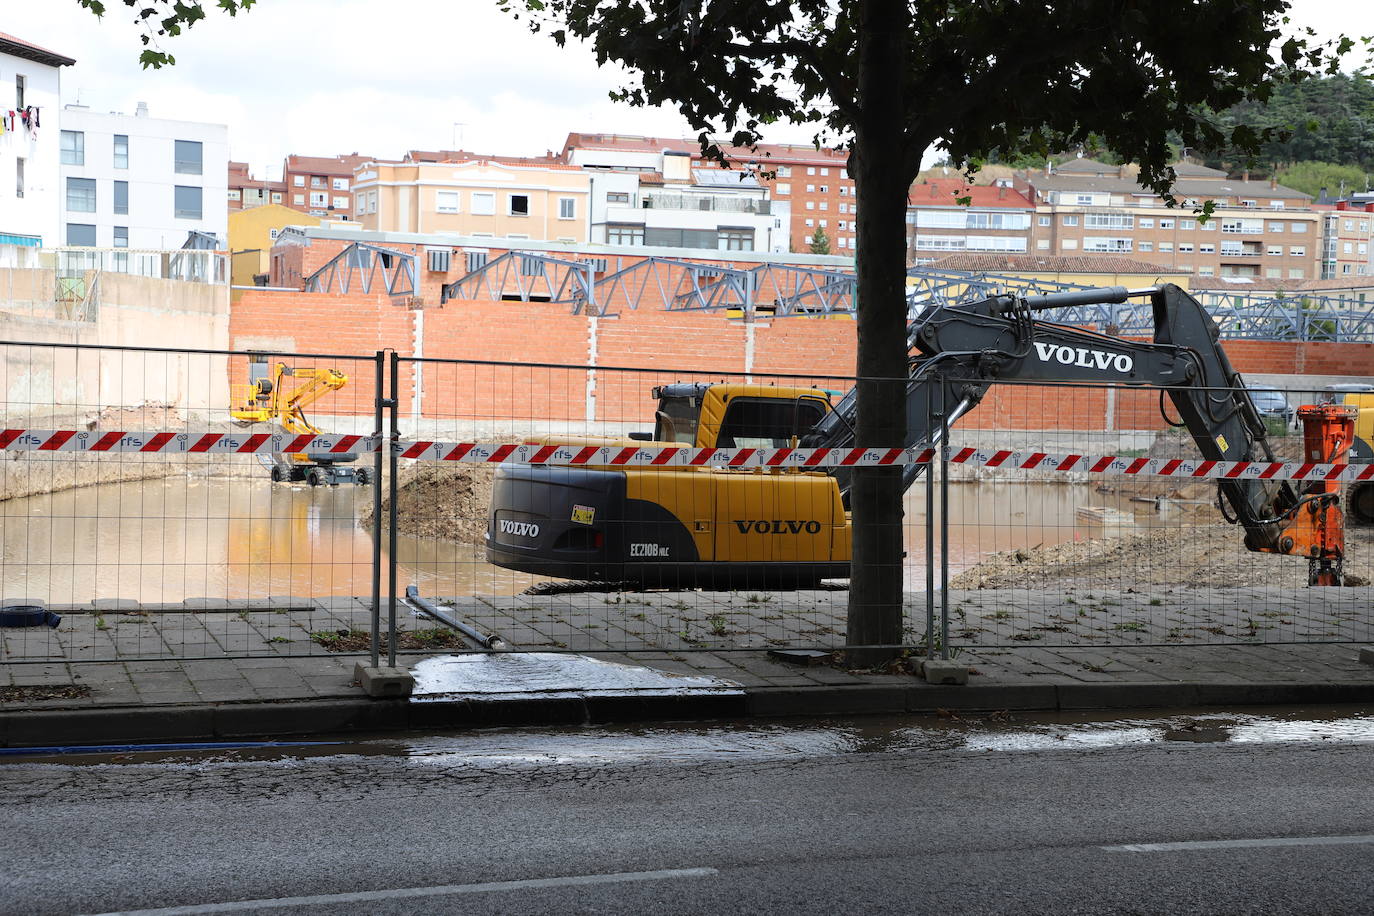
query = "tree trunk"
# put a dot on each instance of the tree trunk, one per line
(877, 165)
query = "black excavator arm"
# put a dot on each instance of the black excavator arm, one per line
(958, 352)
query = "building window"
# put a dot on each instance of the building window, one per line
(276, 197)
(298, 199)
(1147, 246)
(1108, 221)
(341, 203)
(1274, 251)
(1042, 244)
(567, 208)
(783, 187)
(1207, 249)
(735, 239)
(1249, 203)
(1209, 226)
(121, 197)
(825, 189)
(233, 193)
(1147, 222)
(811, 189)
(317, 181)
(1299, 227)
(82, 234)
(1205, 271)
(81, 195)
(1296, 273)
(341, 184)
(319, 199)
(1093, 243)
(1298, 251)
(1043, 221)
(1275, 226)
(618, 197)
(1276, 205)
(73, 147)
(518, 205)
(189, 157)
(1070, 220)
(624, 235)
(825, 224)
(1069, 244)
(1346, 247)
(784, 171)
(1187, 224)
(1345, 268)
(187, 203)
(298, 181)
(19, 86)
(810, 205)
(18, 177)
(121, 236)
(1185, 247)
(1084, 200)
(483, 203)
(810, 170)
(810, 223)
(446, 201)
(121, 151)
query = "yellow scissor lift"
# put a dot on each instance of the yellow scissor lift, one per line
(267, 399)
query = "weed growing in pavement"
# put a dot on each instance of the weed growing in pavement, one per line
(100, 623)
(279, 639)
(1135, 626)
(717, 623)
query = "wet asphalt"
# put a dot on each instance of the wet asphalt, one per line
(1000, 814)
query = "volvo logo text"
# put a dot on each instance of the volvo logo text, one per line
(1083, 357)
(520, 529)
(777, 526)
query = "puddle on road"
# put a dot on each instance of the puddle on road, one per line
(165, 540)
(550, 675)
(791, 740)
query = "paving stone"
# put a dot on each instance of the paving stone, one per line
(115, 605)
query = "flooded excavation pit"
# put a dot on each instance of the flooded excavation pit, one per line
(170, 539)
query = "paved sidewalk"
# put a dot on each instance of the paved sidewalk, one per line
(123, 672)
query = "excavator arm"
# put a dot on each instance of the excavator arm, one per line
(958, 352)
(290, 407)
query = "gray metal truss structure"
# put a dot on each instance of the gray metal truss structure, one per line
(790, 290)
(523, 277)
(361, 267)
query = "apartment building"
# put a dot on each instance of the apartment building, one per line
(947, 215)
(135, 181)
(487, 197)
(1259, 228)
(30, 183)
(811, 182)
(665, 199)
(321, 185)
(247, 192)
(1347, 247)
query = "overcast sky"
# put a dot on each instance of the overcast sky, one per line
(322, 77)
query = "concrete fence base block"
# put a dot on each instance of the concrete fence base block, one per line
(384, 682)
(944, 671)
(1367, 655)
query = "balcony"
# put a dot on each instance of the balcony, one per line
(707, 203)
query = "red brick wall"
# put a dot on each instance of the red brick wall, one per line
(526, 341)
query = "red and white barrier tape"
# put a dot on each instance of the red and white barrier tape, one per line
(38, 440)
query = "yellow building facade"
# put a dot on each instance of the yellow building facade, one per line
(492, 197)
(252, 233)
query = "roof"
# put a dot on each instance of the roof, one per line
(458, 155)
(730, 179)
(325, 165)
(1265, 284)
(944, 192)
(17, 47)
(1088, 167)
(1184, 187)
(1078, 264)
(786, 153)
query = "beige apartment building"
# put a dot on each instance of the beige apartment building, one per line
(488, 196)
(1347, 238)
(1259, 228)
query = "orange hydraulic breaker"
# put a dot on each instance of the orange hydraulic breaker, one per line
(1316, 525)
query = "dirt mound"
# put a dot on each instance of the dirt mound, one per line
(434, 501)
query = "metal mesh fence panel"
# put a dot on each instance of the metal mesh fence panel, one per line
(142, 500)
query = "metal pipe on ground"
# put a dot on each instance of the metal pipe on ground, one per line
(491, 643)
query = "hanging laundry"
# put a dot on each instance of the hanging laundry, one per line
(35, 116)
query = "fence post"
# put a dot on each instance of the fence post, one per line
(378, 402)
(395, 438)
(930, 537)
(944, 524)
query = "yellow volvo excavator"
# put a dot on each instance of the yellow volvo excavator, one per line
(279, 395)
(717, 527)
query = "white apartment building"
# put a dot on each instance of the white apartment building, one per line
(659, 199)
(30, 79)
(134, 181)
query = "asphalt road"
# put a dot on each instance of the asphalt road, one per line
(894, 817)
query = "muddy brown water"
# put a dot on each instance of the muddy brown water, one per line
(186, 537)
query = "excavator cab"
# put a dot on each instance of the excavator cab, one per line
(725, 415)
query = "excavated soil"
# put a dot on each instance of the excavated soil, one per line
(439, 502)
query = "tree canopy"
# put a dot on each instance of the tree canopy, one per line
(165, 19)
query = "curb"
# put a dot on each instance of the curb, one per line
(74, 727)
